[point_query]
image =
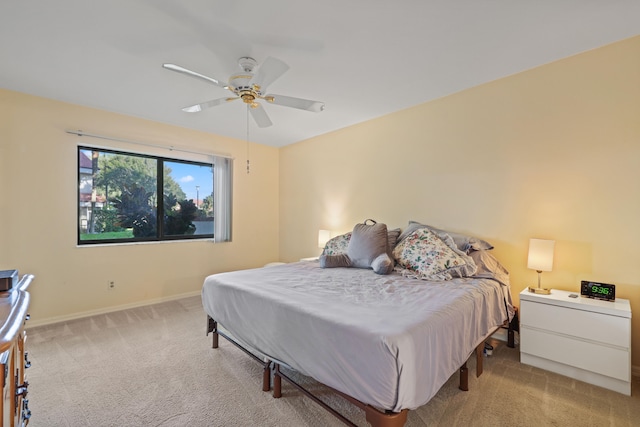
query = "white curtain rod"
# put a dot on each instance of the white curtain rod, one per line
(167, 147)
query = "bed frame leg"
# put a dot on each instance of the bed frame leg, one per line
(212, 326)
(389, 419)
(513, 327)
(277, 381)
(266, 377)
(479, 359)
(464, 377)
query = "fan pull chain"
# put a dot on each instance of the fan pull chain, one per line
(248, 164)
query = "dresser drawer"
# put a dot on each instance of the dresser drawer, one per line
(602, 359)
(587, 325)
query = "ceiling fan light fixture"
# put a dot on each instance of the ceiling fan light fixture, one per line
(247, 96)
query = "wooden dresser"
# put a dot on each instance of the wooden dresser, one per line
(14, 405)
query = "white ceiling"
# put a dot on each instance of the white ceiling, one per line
(363, 58)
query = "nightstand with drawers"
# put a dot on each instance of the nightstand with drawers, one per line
(582, 338)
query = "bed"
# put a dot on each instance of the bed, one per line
(387, 342)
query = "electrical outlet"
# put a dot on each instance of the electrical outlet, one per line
(111, 284)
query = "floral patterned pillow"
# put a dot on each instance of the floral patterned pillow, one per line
(337, 245)
(424, 255)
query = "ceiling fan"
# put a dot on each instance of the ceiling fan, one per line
(249, 85)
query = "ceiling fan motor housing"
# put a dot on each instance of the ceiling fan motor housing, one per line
(241, 85)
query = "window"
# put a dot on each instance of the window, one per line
(127, 197)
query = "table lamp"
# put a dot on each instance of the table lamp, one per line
(540, 259)
(323, 238)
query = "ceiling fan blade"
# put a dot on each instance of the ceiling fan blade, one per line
(259, 115)
(205, 26)
(270, 70)
(179, 69)
(199, 107)
(302, 104)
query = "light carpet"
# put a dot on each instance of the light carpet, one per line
(154, 366)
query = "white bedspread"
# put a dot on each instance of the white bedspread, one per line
(388, 341)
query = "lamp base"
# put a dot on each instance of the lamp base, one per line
(541, 291)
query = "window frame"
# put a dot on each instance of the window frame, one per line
(159, 208)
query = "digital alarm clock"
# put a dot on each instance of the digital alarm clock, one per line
(604, 291)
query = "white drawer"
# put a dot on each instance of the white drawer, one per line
(602, 359)
(612, 330)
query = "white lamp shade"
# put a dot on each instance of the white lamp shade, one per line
(541, 254)
(323, 238)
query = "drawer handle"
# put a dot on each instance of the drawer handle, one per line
(22, 390)
(26, 412)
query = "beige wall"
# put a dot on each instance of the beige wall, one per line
(551, 153)
(38, 209)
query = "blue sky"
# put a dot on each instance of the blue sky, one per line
(190, 176)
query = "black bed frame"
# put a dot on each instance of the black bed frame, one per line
(373, 415)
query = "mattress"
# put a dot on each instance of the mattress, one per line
(388, 341)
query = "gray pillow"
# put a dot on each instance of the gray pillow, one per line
(369, 246)
(339, 244)
(368, 242)
(393, 236)
(383, 264)
(333, 261)
(489, 267)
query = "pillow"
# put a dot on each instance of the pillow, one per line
(369, 248)
(424, 255)
(332, 261)
(339, 244)
(393, 236)
(489, 267)
(463, 242)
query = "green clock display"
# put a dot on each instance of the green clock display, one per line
(601, 290)
(597, 290)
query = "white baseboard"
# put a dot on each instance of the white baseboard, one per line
(57, 319)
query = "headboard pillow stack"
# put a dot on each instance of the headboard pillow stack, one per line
(420, 251)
